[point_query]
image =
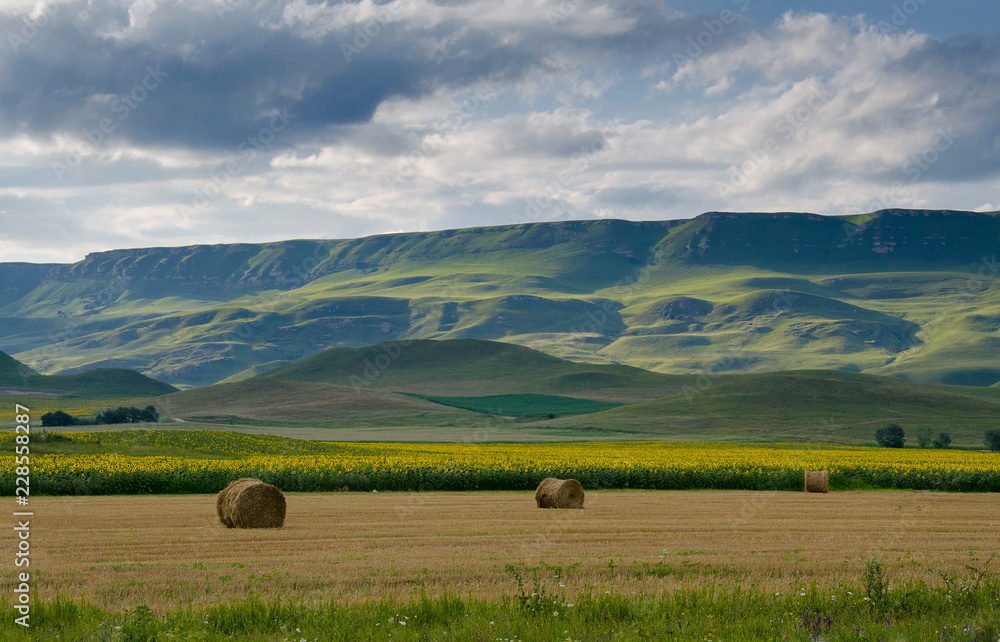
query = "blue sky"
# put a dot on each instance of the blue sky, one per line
(134, 123)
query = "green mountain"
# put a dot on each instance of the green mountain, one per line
(17, 378)
(896, 292)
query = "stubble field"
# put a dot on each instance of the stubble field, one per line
(163, 551)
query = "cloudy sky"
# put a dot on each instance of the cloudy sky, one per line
(134, 123)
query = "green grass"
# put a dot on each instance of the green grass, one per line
(432, 367)
(524, 405)
(537, 609)
(747, 293)
(820, 406)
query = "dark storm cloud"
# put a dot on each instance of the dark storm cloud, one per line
(189, 74)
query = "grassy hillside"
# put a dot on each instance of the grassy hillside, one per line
(804, 405)
(897, 292)
(473, 367)
(16, 378)
(271, 401)
(525, 405)
(451, 390)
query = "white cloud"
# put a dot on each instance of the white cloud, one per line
(813, 113)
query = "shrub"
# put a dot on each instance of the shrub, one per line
(993, 440)
(942, 441)
(924, 436)
(58, 418)
(890, 436)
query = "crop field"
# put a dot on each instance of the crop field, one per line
(300, 465)
(382, 553)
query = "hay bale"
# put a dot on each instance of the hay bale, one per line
(817, 481)
(559, 493)
(250, 503)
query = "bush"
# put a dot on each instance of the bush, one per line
(942, 441)
(127, 415)
(890, 436)
(924, 436)
(58, 419)
(993, 440)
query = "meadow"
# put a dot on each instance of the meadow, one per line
(106, 463)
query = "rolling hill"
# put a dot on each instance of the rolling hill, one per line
(417, 388)
(897, 292)
(473, 367)
(820, 406)
(18, 379)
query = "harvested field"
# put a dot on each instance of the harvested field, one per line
(162, 551)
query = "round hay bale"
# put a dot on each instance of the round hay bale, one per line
(250, 503)
(817, 481)
(559, 493)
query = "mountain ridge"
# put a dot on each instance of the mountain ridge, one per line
(906, 292)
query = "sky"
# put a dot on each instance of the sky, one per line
(140, 123)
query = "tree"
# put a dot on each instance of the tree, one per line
(993, 440)
(127, 415)
(149, 414)
(890, 436)
(942, 441)
(58, 418)
(924, 436)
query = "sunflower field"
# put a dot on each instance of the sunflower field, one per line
(301, 465)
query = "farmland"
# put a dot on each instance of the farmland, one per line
(447, 564)
(105, 468)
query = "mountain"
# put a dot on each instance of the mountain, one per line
(17, 378)
(896, 292)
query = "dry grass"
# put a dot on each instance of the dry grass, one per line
(171, 550)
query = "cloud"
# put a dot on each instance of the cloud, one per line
(411, 114)
(220, 72)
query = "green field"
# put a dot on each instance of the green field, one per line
(524, 405)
